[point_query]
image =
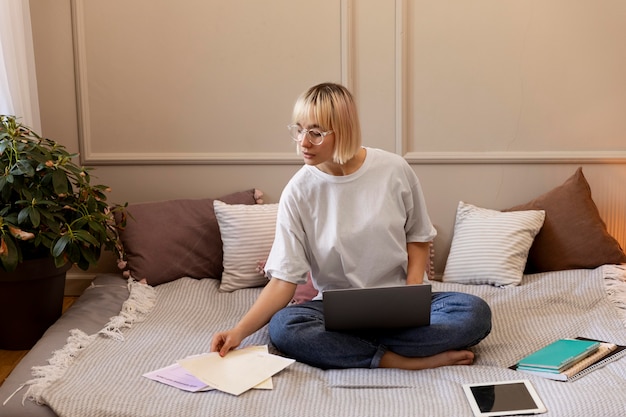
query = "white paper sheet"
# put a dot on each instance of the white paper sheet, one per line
(177, 376)
(236, 372)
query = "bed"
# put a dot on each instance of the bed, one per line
(120, 328)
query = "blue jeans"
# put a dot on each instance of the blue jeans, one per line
(457, 321)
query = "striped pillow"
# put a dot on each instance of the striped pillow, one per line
(489, 246)
(247, 235)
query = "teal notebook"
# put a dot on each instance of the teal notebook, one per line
(559, 355)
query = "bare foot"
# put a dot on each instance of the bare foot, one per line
(448, 358)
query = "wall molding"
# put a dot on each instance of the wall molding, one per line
(89, 157)
(416, 158)
(80, 74)
(197, 158)
(403, 105)
(534, 157)
(347, 64)
(347, 43)
(400, 56)
(77, 282)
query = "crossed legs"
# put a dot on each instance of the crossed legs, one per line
(458, 321)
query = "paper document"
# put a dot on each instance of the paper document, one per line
(236, 372)
(179, 377)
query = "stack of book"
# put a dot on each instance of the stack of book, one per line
(569, 359)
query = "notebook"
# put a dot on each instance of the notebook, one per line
(559, 355)
(377, 308)
(606, 353)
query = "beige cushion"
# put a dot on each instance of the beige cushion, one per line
(247, 235)
(489, 246)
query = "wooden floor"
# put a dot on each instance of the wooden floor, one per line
(10, 358)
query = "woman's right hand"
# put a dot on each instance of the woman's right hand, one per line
(276, 295)
(224, 342)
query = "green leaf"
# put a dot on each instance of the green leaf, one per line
(91, 255)
(60, 244)
(46, 239)
(47, 217)
(34, 216)
(86, 237)
(30, 213)
(73, 253)
(23, 214)
(23, 167)
(59, 181)
(59, 261)
(97, 228)
(82, 263)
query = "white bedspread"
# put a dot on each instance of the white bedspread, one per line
(105, 379)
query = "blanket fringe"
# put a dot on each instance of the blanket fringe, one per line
(57, 365)
(141, 300)
(615, 282)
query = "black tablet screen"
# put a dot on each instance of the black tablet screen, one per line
(505, 397)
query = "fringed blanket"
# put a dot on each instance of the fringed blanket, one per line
(102, 375)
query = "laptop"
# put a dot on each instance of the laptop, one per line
(377, 308)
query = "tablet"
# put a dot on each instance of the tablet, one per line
(503, 398)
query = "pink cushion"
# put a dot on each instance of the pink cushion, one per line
(304, 292)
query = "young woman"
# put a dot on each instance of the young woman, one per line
(354, 217)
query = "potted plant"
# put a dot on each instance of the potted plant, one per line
(51, 216)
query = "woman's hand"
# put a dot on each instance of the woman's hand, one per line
(224, 342)
(276, 295)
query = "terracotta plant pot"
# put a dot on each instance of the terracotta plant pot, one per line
(31, 299)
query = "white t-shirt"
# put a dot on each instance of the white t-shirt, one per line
(350, 231)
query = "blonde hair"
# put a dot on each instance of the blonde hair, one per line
(332, 106)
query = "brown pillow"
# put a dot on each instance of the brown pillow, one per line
(573, 235)
(167, 240)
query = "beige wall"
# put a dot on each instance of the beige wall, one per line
(492, 102)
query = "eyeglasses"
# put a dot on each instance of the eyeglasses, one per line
(316, 137)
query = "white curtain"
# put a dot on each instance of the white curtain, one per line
(18, 82)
